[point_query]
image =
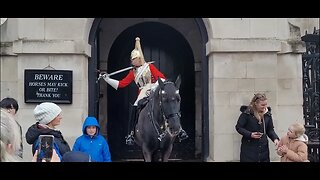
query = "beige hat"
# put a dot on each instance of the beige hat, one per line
(46, 112)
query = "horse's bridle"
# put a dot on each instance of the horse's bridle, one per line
(162, 131)
(171, 115)
(167, 116)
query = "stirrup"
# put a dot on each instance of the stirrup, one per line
(182, 136)
(161, 136)
(130, 140)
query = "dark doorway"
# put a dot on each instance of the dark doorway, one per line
(173, 56)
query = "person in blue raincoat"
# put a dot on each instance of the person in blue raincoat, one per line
(92, 143)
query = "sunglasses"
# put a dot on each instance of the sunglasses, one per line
(259, 96)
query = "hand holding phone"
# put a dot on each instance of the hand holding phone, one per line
(45, 148)
(256, 135)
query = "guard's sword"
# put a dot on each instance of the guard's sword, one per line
(119, 71)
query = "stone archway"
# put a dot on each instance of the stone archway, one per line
(111, 44)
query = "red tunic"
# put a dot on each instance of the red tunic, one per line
(155, 73)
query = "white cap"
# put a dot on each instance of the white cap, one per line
(46, 112)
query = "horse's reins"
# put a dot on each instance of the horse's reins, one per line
(155, 125)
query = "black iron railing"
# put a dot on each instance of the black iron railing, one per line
(311, 93)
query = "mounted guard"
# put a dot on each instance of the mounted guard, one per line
(145, 75)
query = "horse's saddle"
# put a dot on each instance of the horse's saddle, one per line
(142, 103)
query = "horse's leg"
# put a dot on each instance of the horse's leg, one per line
(146, 154)
(166, 153)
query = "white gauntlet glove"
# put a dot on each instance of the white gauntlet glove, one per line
(114, 83)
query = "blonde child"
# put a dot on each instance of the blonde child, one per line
(292, 146)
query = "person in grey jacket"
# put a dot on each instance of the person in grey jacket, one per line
(11, 106)
(10, 138)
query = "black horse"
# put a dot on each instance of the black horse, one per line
(159, 122)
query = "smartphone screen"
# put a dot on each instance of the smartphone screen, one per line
(45, 149)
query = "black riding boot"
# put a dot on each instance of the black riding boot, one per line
(182, 135)
(131, 125)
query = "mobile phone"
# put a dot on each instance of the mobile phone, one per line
(45, 148)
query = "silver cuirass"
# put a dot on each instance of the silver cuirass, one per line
(142, 75)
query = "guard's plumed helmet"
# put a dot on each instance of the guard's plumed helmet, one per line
(137, 51)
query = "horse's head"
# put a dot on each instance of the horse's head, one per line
(170, 104)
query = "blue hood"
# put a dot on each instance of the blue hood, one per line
(90, 121)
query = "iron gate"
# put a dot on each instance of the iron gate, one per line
(311, 93)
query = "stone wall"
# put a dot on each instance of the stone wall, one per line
(248, 56)
(37, 43)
